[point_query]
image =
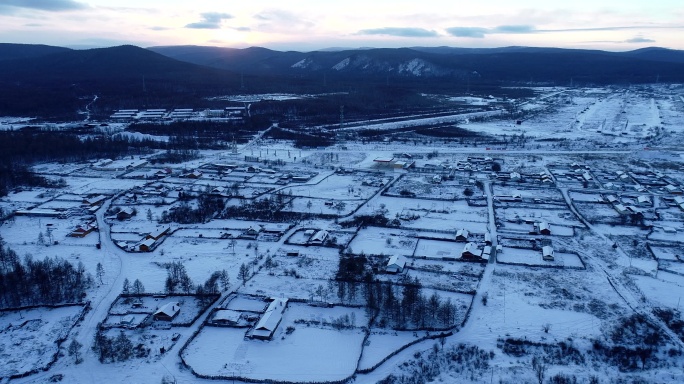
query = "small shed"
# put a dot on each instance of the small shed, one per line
(486, 252)
(544, 228)
(547, 253)
(488, 238)
(227, 317)
(644, 201)
(395, 264)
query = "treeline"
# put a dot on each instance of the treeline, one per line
(207, 207)
(301, 139)
(267, 208)
(35, 282)
(20, 149)
(42, 144)
(204, 134)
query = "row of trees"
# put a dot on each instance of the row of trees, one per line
(406, 307)
(39, 282)
(178, 281)
(119, 348)
(207, 207)
(398, 306)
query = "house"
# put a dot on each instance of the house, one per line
(93, 201)
(227, 317)
(84, 229)
(547, 253)
(543, 228)
(158, 233)
(269, 321)
(470, 252)
(586, 176)
(250, 233)
(383, 161)
(319, 237)
(167, 312)
(395, 264)
(679, 200)
(275, 228)
(673, 190)
(488, 238)
(515, 176)
(611, 199)
(196, 174)
(125, 214)
(146, 245)
(644, 201)
(218, 191)
(462, 234)
(622, 209)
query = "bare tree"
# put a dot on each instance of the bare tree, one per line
(539, 367)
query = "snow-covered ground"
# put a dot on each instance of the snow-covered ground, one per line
(603, 272)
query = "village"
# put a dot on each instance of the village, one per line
(251, 263)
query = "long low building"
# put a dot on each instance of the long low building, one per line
(270, 320)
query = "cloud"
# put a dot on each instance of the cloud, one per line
(479, 32)
(639, 39)
(159, 28)
(401, 32)
(43, 5)
(281, 21)
(210, 20)
(473, 32)
(514, 29)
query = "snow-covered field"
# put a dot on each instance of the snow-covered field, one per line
(603, 271)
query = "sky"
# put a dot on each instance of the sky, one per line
(306, 25)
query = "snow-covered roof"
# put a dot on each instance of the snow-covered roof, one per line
(227, 315)
(544, 226)
(470, 248)
(319, 236)
(270, 319)
(169, 309)
(396, 262)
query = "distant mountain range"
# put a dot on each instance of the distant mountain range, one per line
(35, 78)
(516, 64)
